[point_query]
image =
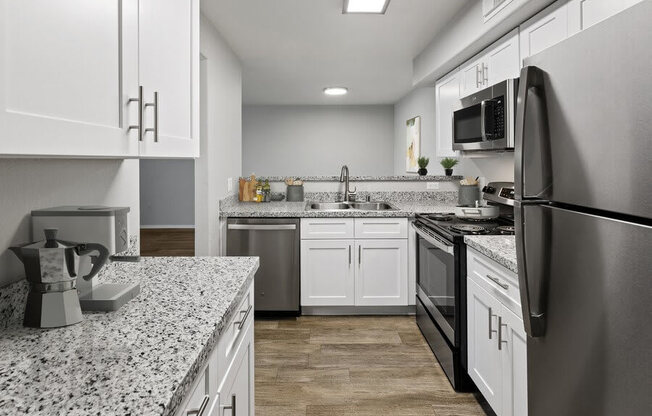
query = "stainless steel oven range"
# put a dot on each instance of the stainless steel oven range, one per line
(441, 278)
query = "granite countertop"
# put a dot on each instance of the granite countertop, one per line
(300, 210)
(385, 178)
(140, 359)
(501, 248)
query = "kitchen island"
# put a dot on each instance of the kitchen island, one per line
(141, 359)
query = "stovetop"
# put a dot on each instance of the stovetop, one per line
(454, 228)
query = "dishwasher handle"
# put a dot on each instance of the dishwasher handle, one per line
(262, 227)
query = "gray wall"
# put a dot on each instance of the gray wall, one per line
(318, 140)
(167, 193)
(221, 135)
(27, 184)
(421, 102)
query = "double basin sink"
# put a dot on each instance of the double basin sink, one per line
(342, 206)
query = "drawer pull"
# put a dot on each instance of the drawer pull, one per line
(201, 409)
(498, 282)
(232, 407)
(491, 330)
(241, 322)
(500, 333)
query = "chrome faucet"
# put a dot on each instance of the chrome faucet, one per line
(344, 177)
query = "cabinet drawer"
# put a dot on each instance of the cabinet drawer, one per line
(495, 279)
(381, 228)
(234, 330)
(326, 228)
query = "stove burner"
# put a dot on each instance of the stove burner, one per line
(469, 229)
(441, 216)
(506, 229)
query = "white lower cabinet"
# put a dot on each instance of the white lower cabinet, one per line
(327, 273)
(483, 356)
(358, 271)
(514, 359)
(225, 386)
(236, 393)
(497, 342)
(381, 273)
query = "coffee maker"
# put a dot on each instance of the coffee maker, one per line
(52, 268)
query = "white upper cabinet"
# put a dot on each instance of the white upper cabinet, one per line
(498, 62)
(472, 76)
(502, 59)
(585, 13)
(67, 70)
(169, 68)
(70, 73)
(544, 30)
(447, 95)
(491, 8)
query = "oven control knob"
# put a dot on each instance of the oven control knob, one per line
(489, 189)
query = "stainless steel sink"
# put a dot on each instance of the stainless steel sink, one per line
(362, 206)
(372, 206)
(329, 206)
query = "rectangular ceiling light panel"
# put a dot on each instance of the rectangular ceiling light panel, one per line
(365, 6)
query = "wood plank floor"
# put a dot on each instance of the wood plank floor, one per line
(363, 366)
(167, 242)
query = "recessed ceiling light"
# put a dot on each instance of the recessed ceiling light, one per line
(335, 91)
(365, 6)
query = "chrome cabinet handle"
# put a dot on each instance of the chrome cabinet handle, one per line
(242, 321)
(500, 333)
(498, 282)
(478, 83)
(139, 100)
(155, 105)
(201, 409)
(491, 330)
(359, 255)
(232, 407)
(349, 254)
(485, 74)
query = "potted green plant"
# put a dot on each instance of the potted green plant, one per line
(448, 163)
(423, 164)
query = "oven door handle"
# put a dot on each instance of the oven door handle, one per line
(440, 244)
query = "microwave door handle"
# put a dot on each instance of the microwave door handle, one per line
(483, 118)
(531, 122)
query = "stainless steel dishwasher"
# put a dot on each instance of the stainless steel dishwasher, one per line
(277, 241)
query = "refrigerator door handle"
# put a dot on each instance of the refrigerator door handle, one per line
(532, 170)
(532, 272)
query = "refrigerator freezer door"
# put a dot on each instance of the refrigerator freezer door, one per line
(598, 103)
(594, 357)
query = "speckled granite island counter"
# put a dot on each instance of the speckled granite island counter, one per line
(139, 360)
(500, 248)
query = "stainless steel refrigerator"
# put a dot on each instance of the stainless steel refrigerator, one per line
(583, 185)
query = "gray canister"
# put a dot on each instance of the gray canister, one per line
(294, 193)
(467, 195)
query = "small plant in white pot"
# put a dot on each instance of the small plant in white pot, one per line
(448, 163)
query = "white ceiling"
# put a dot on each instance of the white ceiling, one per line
(292, 49)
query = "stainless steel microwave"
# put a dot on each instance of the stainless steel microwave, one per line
(485, 120)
